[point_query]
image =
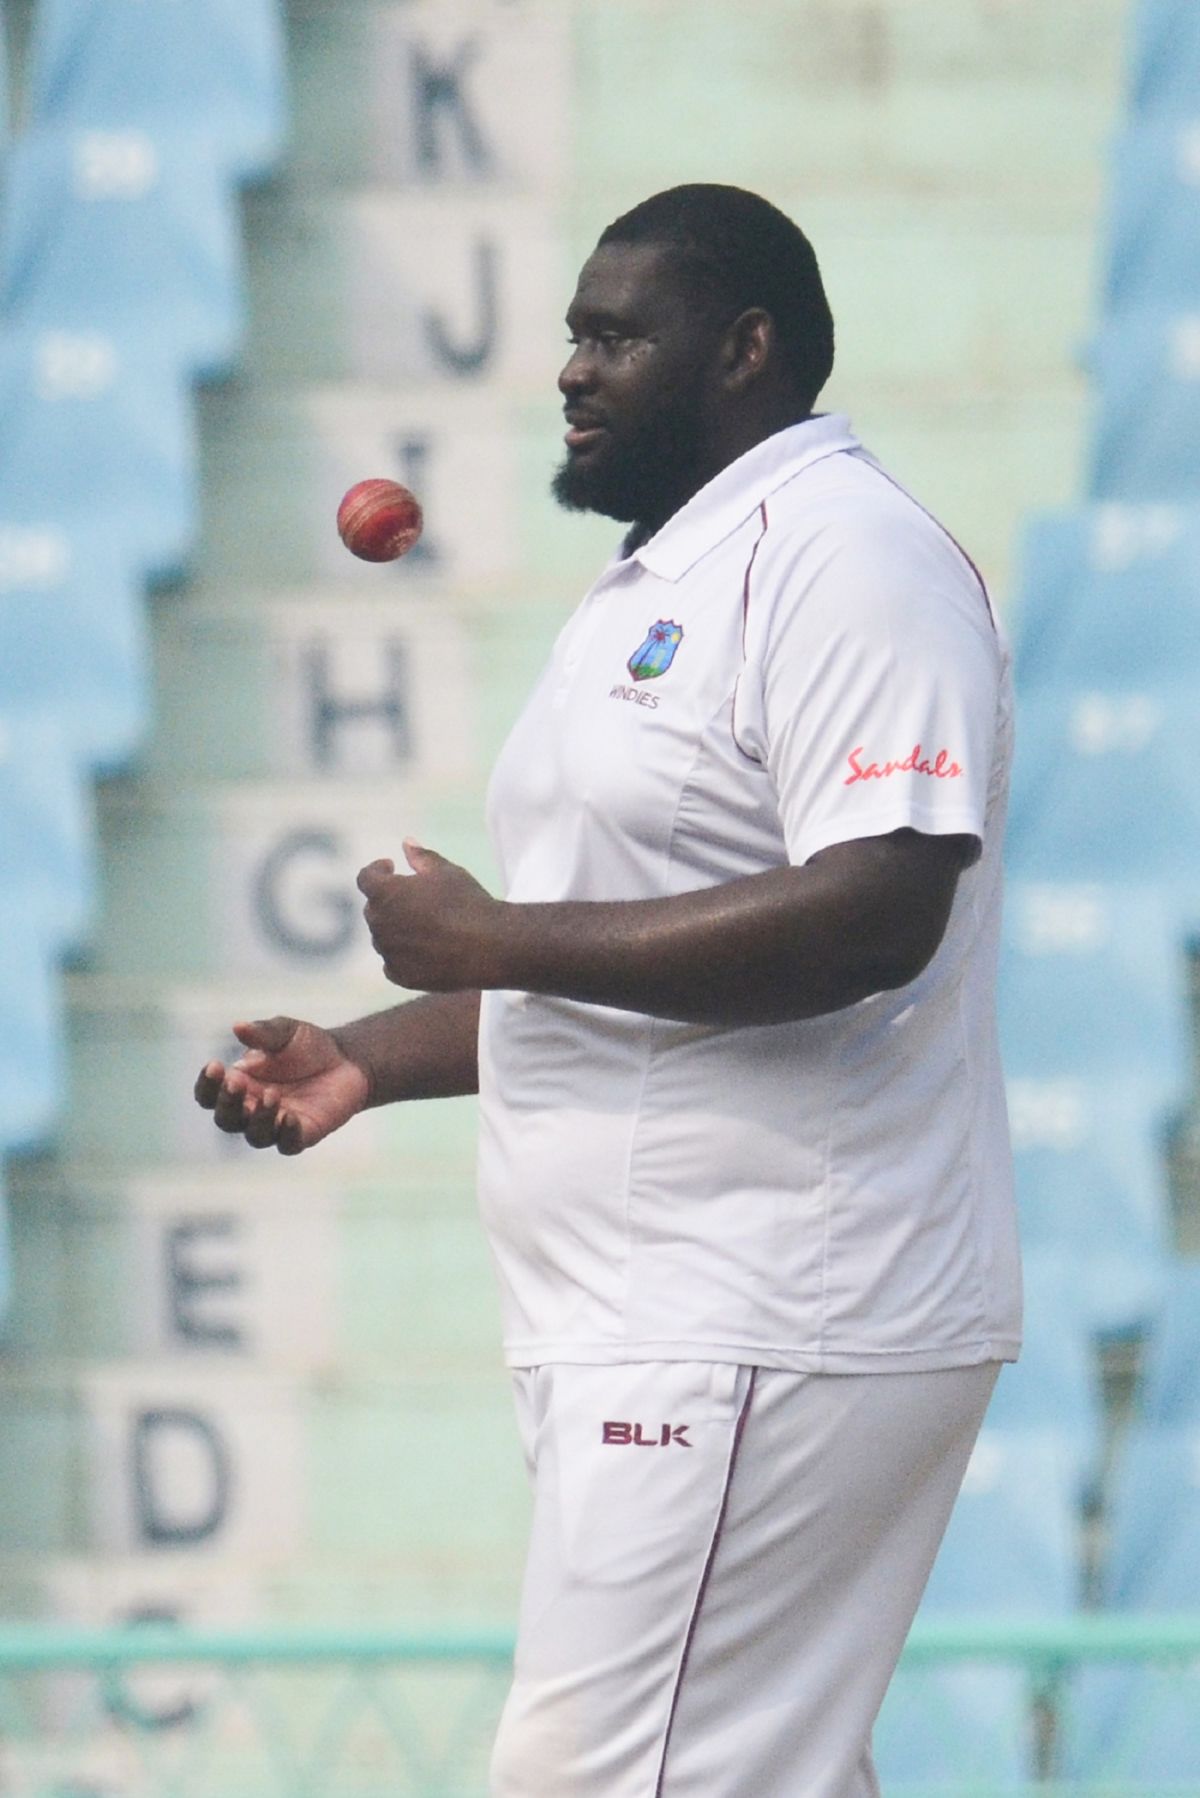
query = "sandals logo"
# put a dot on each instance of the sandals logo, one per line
(942, 767)
(655, 655)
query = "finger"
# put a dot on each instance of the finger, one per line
(229, 1112)
(208, 1084)
(289, 1138)
(263, 1037)
(420, 859)
(375, 877)
(228, 1115)
(262, 1128)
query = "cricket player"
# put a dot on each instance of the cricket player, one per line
(744, 1163)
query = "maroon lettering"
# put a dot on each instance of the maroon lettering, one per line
(637, 1435)
(635, 696)
(942, 767)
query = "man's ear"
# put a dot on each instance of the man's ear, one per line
(747, 348)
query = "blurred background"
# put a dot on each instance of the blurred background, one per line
(252, 252)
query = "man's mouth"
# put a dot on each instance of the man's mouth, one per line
(581, 431)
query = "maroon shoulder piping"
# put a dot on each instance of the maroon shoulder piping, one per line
(762, 512)
(948, 535)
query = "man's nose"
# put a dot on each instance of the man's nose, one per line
(577, 373)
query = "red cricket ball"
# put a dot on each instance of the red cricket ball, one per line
(379, 520)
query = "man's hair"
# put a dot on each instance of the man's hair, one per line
(735, 250)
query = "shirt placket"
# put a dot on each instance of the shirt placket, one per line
(587, 624)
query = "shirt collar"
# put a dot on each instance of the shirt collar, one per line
(730, 497)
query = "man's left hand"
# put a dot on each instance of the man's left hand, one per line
(433, 929)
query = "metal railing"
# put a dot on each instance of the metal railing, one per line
(1103, 1706)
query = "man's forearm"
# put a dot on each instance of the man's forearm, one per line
(794, 943)
(699, 958)
(425, 1049)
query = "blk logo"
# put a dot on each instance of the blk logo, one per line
(633, 1435)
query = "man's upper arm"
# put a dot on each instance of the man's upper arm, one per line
(880, 681)
(897, 891)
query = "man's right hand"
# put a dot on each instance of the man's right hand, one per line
(292, 1087)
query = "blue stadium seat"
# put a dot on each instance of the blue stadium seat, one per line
(1168, 1395)
(32, 1061)
(47, 827)
(1146, 438)
(1092, 981)
(1164, 57)
(1153, 1561)
(1055, 1386)
(1154, 217)
(212, 66)
(1143, 1723)
(73, 635)
(1105, 788)
(5, 1251)
(5, 123)
(1011, 1549)
(99, 428)
(950, 1730)
(1130, 1730)
(125, 230)
(1091, 1184)
(1109, 594)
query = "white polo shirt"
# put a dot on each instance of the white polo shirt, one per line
(799, 657)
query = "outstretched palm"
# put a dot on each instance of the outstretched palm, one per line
(293, 1087)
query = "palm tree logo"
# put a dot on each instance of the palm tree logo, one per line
(655, 655)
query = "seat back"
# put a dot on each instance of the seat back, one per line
(73, 636)
(1168, 1395)
(1090, 1166)
(1104, 789)
(126, 228)
(1109, 595)
(1092, 981)
(213, 67)
(1154, 216)
(99, 429)
(1164, 55)
(1146, 437)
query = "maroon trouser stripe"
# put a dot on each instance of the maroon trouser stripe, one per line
(694, 1619)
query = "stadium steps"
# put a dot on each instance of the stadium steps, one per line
(880, 91)
(136, 1048)
(410, 1501)
(374, 284)
(300, 1265)
(343, 682)
(275, 461)
(134, 1459)
(242, 878)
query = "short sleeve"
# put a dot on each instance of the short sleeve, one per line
(875, 680)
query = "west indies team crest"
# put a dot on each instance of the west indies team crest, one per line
(655, 655)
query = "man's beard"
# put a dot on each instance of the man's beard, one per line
(637, 477)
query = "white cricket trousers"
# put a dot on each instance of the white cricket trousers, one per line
(724, 1564)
